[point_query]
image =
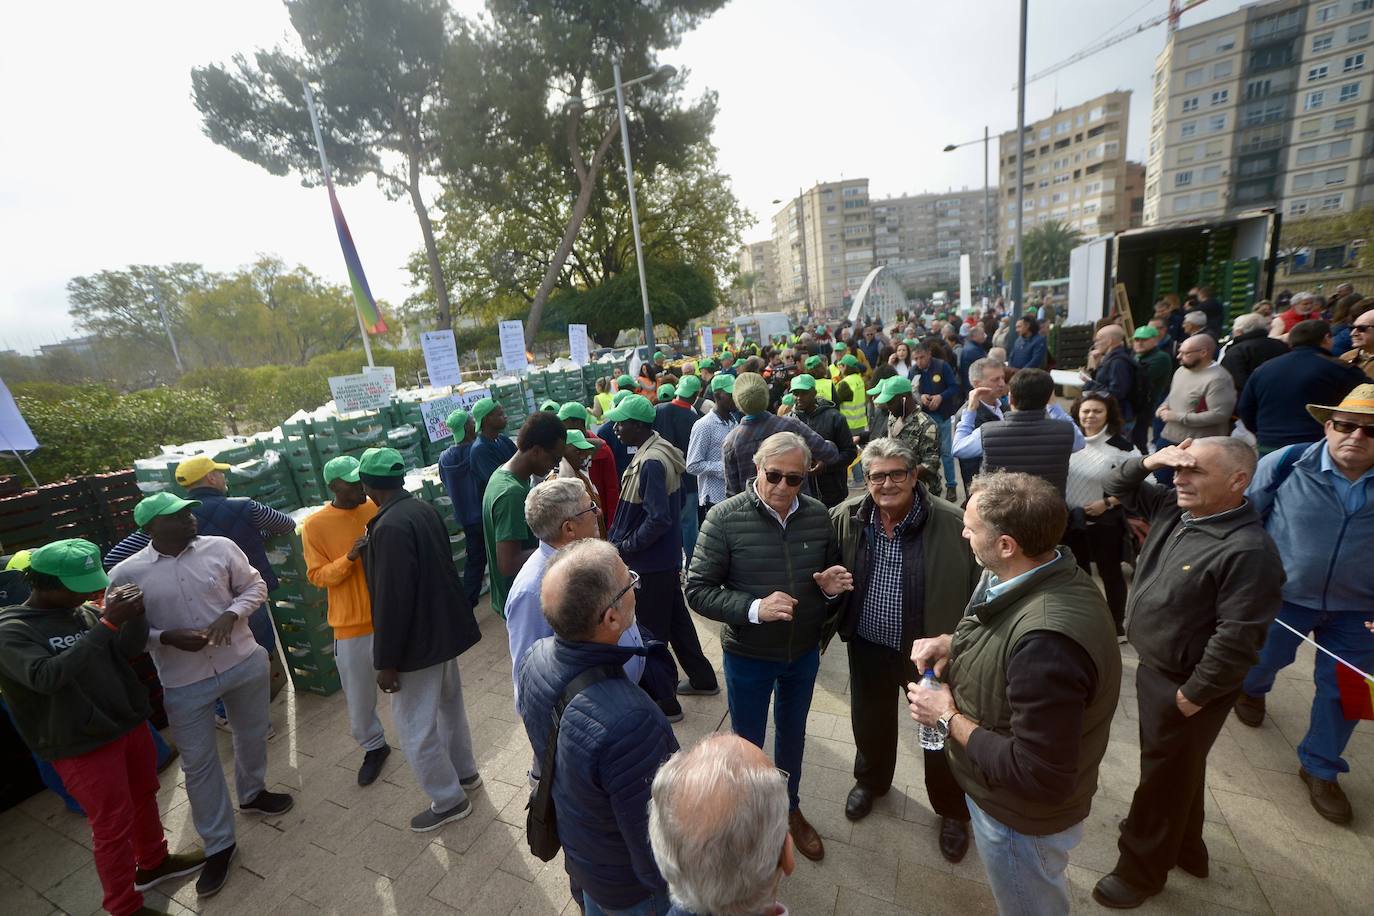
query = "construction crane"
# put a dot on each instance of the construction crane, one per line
(1176, 9)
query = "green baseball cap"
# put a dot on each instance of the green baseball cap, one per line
(840, 346)
(163, 503)
(803, 383)
(619, 396)
(344, 467)
(634, 407)
(909, 341)
(382, 462)
(707, 363)
(74, 561)
(549, 404)
(789, 399)
(1146, 332)
(891, 388)
(850, 360)
(689, 387)
(481, 409)
(658, 354)
(457, 423)
(573, 411)
(666, 392)
(724, 383)
(577, 440)
(625, 383)
(815, 362)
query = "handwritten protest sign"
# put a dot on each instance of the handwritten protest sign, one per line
(434, 412)
(360, 392)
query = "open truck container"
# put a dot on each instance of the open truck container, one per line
(1236, 257)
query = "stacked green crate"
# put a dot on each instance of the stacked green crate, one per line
(159, 473)
(300, 612)
(433, 493)
(303, 466)
(1241, 288)
(537, 384)
(514, 399)
(590, 373)
(566, 385)
(266, 479)
(406, 440)
(1168, 268)
(334, 436)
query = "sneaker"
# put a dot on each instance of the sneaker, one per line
(215, 872)
(429, 819)
(372, 765)
(174, 866)
(471, 782)
(268, 803)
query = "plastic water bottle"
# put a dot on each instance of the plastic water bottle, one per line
(931, 739)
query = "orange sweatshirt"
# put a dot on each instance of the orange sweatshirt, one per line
(326, 538)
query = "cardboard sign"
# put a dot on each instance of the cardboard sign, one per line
(707, 343)
(360, 392)
(386, 373)
(513, 358)
(435, 412)
(441, 358)
(577, 344)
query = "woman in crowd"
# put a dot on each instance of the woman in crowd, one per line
(1097, 523)
(901, 360)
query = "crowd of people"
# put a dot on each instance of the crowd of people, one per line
(915, 490)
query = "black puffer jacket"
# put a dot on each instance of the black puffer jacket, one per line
(743, 553)
(830, 483)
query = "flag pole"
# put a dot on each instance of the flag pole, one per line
(324, 167)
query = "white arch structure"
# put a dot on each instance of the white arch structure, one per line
(880, 294)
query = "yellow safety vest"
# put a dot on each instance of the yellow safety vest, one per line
(605, 401)
(854, 410)
(825, 389)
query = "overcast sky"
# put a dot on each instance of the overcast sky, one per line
(104, 164)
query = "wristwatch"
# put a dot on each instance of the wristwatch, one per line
(942, 723)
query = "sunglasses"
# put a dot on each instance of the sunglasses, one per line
(634, 583)
(882, 477)
(1362, 328)
(1347, 427)
(777, 477)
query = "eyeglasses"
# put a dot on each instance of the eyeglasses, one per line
(882, 477)
(1347, 427)
(1362, 328)
(777, 477)
(576, 515)
(634, 583)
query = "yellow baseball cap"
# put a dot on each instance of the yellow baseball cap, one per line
(193, 469)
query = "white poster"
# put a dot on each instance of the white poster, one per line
(577, 344)
(436, 411)
(513, 358)
(965, 283)
(359, 392)
(707, 344)
(386, 373)
(441, 358)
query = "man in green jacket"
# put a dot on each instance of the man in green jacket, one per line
(913, 575)
(767, 567)
(1033, 672)
(65, 673)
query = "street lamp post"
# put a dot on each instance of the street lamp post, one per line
(985, 265)
(1016, 270)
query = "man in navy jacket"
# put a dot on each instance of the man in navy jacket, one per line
(940, 397)
(1274, 402)
(1116, 370)
(612, 738)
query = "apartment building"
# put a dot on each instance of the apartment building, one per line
(823, 245)
(1269, 106)
(1076, 170)
(759, 293)
(925, 234)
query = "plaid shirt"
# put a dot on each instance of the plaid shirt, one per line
(705, 457)
(880, 619)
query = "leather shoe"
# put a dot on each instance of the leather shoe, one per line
(685, 689)
(1328, 798)
(953, 839)
(1115, 892)
(1250, 710)
(805, 837)
(860, 802)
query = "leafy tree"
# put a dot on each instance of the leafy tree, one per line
(1045, 250)
(126, 306)
(678, 292)
(379, 66)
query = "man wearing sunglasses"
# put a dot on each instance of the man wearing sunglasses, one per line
(767, 567)
(1319, 510)
(1362, 336)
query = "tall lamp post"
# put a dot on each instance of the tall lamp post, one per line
(987, 208)
(1017, 277)
(662, 73)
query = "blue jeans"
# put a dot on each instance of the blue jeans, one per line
(944, 425)
(750, 683)
(689, 524)
(1343, 633)
(1028, 874)
(657, 905)
(475, 566)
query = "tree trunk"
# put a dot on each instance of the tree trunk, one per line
(586, 185)
(436, 271)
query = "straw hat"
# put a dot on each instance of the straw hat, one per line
(1359, 400)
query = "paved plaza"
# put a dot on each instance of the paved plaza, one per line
(345, 849)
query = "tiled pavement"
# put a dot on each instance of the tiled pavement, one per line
(344, 849)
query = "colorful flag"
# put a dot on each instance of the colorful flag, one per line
(362, 294)
(1357, 694)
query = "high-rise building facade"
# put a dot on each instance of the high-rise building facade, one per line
(823, 245)
(925, 234)
(1075, 169)
(758, 289)
(1269, 106)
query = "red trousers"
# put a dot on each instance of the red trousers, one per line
(117, 786)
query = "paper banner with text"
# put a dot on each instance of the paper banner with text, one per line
(707, 344)
(360, 392)
(577, 344)
(386, 373)
(513, 358)
(435, 412)
(441, 358)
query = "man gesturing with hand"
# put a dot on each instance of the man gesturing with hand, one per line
(767, 566)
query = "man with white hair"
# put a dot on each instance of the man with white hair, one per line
(1194, 322)
(1301, 308)
(718, 828)
(1250, 347)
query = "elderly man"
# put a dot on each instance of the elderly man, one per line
(1362, 336)
(1273, 405)
(1032, 675)
(1302, 307)
(198, 593)
(1202, 397)
(718, 829)
(612, 737)
(912, 426)
(988, 377)
(767, 568)
(1206, 590)
(824, 419)
(913, 575)
(1251, 347)
(1036, 436)
(751, 397)
(1194, 323)
(648, 534)
(421, 623)
(1316, 504)
(705, 448)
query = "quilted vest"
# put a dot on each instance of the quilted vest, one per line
(1031, 442)
(232, 518)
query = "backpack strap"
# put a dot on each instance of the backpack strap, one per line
(1284, 469)
(593, 675)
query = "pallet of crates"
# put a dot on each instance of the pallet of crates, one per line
(406, 440)
(266, 479)
(350, 435)
(115, 496)
(300, 613)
